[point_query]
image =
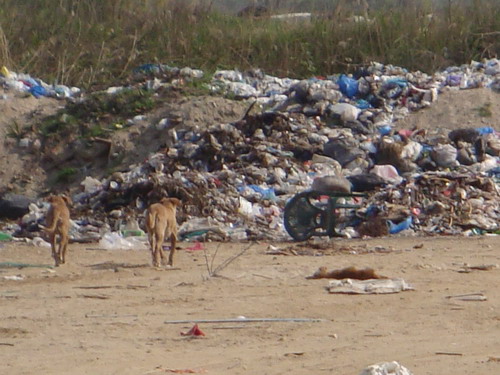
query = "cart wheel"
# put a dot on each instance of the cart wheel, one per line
(302, 218)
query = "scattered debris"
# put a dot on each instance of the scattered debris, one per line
(295, 354)
(197, 246)
(236, 178)
(177, 371)
(194, 331)
(14, 277)
(448, 353)
(214, 272)
(374, 286)
(325, 248)
(96, 296)
(469, 297)
(23, 265)
(94, 287)
(5, 237)
(466, 268)
(115, 241)
(386, 368)
(110, 316)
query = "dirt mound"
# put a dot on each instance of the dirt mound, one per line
(19, 165)
(456, 109)
(21, 170)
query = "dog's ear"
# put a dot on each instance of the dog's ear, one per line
(67, 199)
(176, 202)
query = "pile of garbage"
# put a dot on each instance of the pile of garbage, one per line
(24, 83)
(234, 179)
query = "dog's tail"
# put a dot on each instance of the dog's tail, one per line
(150, 220)
(150, 225)
(53, 225)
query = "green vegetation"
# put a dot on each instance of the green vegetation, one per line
(60, 123)
(66, 175)
(124, 103)
(90, 43)
(485, 110)
(96, 115)
(198, 87)
(14, 130)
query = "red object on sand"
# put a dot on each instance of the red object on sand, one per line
(195, 331)
(197, 246)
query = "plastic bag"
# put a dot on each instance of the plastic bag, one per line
(396, 228)
(388, 173)
(38, 91)
(114, 241)
(348, 86)
(346, 111)
(444, 155)
(386, 368)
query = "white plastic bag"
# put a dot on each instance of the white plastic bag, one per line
(386, 368)
(445, 155)
(114, 241)
(346, 111)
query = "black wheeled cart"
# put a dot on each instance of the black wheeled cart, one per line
(317, 213)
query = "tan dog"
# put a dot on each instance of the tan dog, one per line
(58, 226)
(346, 273)
(161, 223)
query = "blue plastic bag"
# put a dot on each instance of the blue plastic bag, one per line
(363, 104)
(38, 91)
(396, 228)
(485, 130)
(384, 130)
(268, 193)
(148, 68)
(393, 88)
(348, 86)
(453, 80)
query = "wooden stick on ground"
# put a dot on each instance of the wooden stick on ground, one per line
(448, 353)
(228, 261)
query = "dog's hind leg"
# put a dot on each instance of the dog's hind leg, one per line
(63, 247)
(158, 250)
(162, 252)
(151, 238)
(55, 248)
(173, 244)
(150, 227)
(162, 255)
(152, 244)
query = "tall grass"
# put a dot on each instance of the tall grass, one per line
(94, 42)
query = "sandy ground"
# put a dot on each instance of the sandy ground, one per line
(105, 312)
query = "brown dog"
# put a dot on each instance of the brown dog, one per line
(161, 223)
(58, 226)
(346, 273)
